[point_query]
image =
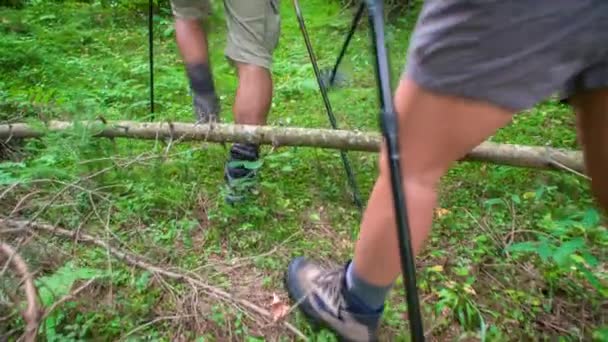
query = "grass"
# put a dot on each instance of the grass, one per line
(515, 254)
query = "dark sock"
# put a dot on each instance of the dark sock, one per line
(242, 152)
(201, 79)
(366, 298)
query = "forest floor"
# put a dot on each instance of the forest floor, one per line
(515, 254)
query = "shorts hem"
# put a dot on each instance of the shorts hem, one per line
(566, 96)
(240, 57)
(427, 81)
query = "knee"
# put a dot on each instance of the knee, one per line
(253, 72)
(187, 25)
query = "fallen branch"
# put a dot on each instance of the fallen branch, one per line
(18, 225)
(31, 315)
(506, 154)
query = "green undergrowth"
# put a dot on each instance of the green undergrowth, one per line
(515, 255)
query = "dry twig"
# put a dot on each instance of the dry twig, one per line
(31, 315)
(137, 261)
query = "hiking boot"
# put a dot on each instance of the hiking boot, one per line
(240, 172)
(206, 107)
(324, 299)
(204, 99)
(240, 182)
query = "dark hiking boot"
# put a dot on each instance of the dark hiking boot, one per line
(325, 301)
(206, 108)
(240, 172)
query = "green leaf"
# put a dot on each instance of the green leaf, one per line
(251, 165)
(601, 334)
(544, 250)
(436, 268)
(578, 259)
(142, 281)
(592, 279)
(50, 330)
(527, 246)
(591, 219)
(168, 31)
(315, 217)
(590, 259)
(310, 84)
(494, 201)
(540, 192)
(47, 17)
(563, 252)
(59, 284)
(11, 165)
(461, 318)
(7, 178)
(529, 195)
(253, 339)
(461, 271)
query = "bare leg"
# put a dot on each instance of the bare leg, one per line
(592, 117)
(251, 106)
(253, 96)
(191, 41)
(435, 131)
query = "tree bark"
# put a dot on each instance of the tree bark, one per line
(506, 154)
(31, 315)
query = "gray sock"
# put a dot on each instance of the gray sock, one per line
(371, 295)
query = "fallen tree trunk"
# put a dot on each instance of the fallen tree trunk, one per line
(505, 154)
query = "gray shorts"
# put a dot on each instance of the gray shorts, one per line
(512, 53)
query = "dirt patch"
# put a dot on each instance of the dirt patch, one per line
(195, 313)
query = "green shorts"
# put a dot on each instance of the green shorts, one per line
(253, 27)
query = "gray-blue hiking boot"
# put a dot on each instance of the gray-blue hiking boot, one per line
(204, 99)
(206, 108)
(325, 301)
(240, 172)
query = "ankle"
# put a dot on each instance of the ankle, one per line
(363, 297)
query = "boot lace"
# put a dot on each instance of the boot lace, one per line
(330, 283)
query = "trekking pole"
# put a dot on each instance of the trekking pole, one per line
(332, 119)
(151, 51)
(350, 34)
(390, 131)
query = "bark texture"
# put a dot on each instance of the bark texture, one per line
(505, 154)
